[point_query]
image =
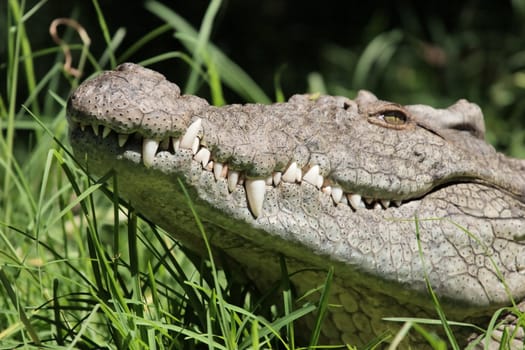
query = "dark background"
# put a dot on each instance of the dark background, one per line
(439, 51)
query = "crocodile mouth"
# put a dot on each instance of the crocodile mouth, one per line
(255, 188)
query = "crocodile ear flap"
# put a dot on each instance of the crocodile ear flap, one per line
(468, 117)
(460, 117)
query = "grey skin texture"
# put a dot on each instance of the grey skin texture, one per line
(435, 199)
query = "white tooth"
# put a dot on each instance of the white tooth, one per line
(290, 175)
(255, 189)
(149, 148)
(209, 166)
(368, 200)
(337, 194)
(377, 205)
(298, 175)
(233, 178)
(195, 146)
(203, 156)
(277, 178)
(269, 181)
(241, 180)
(385, 203)
(320, 181)
(312, 175)
(176, 144)
(344, 200)
(105, 132)
(191, 133)
(327, 190)
(95, 128)
(398, 203)
(122, 138)
(224, 173)
(356, 201)
(217, 170)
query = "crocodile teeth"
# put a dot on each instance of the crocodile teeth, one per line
(233, 178)
(187, 141)
(277, 178)
(122, 138)
(195, 146)
(269, 180)
(337, 194)
(105, 132)
(356, 201)
(327, 190)
(241, 179)
(312, 176)
(203, 156)
(290, 175)
(385, 203)
(149, 148)
(298, 175)
(320, 181)
(255, 189)
(176, 144)
(95, 128)
(217, 170)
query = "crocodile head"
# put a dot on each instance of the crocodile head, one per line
(324, 181)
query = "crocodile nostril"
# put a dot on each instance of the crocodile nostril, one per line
(420, 156)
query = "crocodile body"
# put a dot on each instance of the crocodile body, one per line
(384, 193)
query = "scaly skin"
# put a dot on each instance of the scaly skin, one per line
(408, 162)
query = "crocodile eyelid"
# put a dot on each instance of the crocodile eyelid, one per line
(394, 117)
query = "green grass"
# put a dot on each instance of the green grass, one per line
(79, 268)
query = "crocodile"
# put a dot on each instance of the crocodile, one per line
(390, 197)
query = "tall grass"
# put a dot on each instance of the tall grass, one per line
(78, 267)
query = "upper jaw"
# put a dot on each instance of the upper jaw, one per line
(148, 150)
(171, 122)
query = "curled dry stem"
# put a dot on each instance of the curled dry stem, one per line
(76, 72)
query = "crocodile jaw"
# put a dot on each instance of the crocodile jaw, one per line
(297, 217)
(463, 227)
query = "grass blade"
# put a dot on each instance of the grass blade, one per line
(232, 75)
(203, 37)
(16, 302)
(105, 32)
(444, 322)
(322, 309)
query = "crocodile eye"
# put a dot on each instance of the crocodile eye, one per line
(393, 117)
